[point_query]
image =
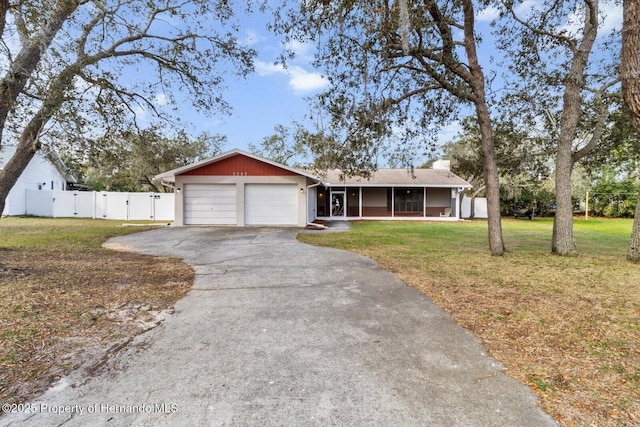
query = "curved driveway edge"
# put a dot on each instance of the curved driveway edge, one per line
(277, 332)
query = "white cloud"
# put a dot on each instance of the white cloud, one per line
(612, 13)
(449, 132)
(267, 69)
(303, 51)
(161, 99)
(527, 7)
(252, 38)
(487, 14)
(300, 80)
(610, 16)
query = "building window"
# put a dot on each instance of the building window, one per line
(406, 200)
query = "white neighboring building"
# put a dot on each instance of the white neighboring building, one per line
(45, 172)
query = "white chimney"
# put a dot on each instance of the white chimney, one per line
(442, 164)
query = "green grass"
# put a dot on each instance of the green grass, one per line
(27, 232)
(555, 322)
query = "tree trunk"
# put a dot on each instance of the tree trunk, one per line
(633, 254)
(11, 87)
(4, 8)
(26, 61)
(563, 241)
(472, 207)
(496, 244)
(29, 142)
(630, 76)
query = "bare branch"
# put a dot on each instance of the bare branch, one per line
(599, 127)
(567, 41)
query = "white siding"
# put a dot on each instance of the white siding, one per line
(40, 174)
(312, 203)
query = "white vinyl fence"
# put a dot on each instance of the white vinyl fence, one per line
(101, 205)
(480, 206)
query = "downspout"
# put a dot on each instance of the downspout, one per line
(309, 223)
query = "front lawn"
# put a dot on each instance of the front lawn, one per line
(567, 326)
(64, 298)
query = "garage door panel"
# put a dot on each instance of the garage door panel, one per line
(271, 204)
(210, 204)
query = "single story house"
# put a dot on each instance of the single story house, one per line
(45, 171)
(242, 189)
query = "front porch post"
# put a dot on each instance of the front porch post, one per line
(393, 202)
(360, 202)
(424, 202)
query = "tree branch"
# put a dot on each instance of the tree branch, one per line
(568, 41)
(598, 128)
(13, 83)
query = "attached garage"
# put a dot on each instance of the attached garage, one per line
(271, 204)
(239, 189)
(210, 204)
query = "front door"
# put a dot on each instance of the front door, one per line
(338, 208)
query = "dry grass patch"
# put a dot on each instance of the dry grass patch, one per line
(64, 298)
(568, 327)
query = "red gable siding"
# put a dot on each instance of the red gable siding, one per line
(239, 165)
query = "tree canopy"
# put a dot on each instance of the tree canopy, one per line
(76, 69)
(128, 161)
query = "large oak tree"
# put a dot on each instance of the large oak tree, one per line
(398, 65)
(564, 69)
(76, 68)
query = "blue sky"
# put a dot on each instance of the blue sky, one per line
(271, 95)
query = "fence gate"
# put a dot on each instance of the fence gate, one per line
(101, 205)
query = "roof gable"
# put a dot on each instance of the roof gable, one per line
(240, 165)
(50, 156)
(234, 163)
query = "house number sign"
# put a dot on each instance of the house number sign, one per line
(240, 173)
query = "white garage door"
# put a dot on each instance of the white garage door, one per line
(271, 204)
(209, 204)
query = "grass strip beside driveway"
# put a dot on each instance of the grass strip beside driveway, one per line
(64, 298)
(567, 326)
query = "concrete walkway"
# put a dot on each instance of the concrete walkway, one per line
(275, 332)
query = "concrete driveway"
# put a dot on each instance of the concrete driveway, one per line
(276, 332)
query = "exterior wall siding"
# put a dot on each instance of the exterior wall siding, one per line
(239, 165)
(40, 174)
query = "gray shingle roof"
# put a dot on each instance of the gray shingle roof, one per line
(386, 177)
